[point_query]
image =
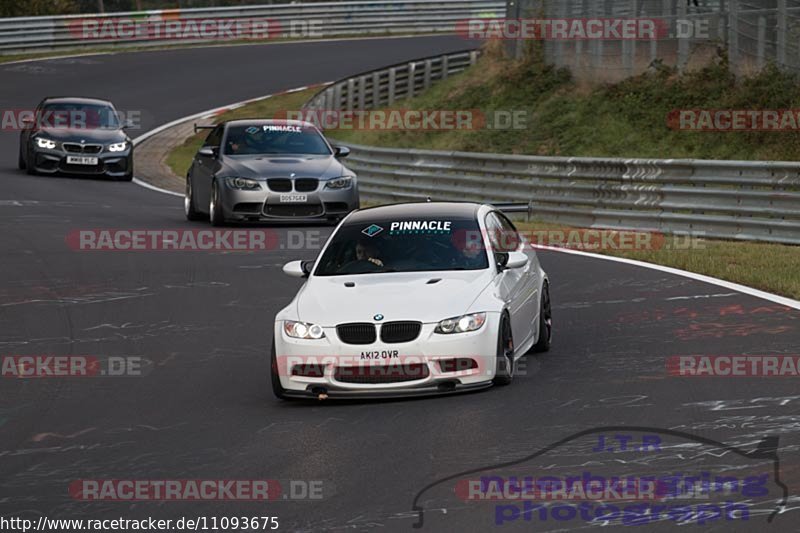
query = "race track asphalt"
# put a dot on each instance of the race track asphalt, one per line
(205, 410)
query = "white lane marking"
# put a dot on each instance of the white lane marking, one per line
(788, 302)
(210, 113)
(703, 296)
(71, 56)
(146, 185)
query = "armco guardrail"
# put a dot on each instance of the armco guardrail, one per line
(387, 85)
(276, 20)
(724, 199)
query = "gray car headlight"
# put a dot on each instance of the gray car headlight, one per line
(302, 330)
(461, 324)
(339, 183)
(41, 142)
(243, 184)
(118, 147)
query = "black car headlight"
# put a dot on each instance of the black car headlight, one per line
(43, 142)
(118, 147)
(339, 183)
(302, 330)
(461, 324)
(243, 184)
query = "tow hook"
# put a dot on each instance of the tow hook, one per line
(321, 392)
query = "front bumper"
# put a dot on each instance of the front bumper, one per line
(411, 392)
(428, 356)
(265, 204)
(113, 164)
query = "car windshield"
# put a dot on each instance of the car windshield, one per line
(79, 116)
(274, 139)
(420, 245)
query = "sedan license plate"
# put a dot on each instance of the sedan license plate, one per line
(81, 160)
(293, 198)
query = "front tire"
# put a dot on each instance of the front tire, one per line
(277, 388)
(504, 374)
(545, 321)
(188, 203)
(29, 166)
(21, 160)
(128, 175)
(214, 208)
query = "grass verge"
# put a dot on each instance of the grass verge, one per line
(765, 266)
(628, 119)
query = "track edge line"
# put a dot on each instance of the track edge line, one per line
(744, 289)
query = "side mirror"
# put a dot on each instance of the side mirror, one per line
(207, 151)
(128, 124)
(516, 260)
(510, 260)
(27, 121)
(341, 152)
(298, 269)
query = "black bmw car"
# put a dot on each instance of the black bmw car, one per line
(76, 136)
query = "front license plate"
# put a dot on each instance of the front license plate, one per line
(81, 160)
(381, 354)
(293, 198)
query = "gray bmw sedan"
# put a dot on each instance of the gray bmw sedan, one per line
(256, 170)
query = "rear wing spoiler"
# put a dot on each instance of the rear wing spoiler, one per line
(198, 127)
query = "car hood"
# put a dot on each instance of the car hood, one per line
(397, 296)
(103, 136)
(313, 166)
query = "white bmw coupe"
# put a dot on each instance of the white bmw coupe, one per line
(412, 299)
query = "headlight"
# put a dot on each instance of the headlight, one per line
(118, 147)
(339, 183)
(301, 330)
(461, 324)
(243, 184)
(41, 142)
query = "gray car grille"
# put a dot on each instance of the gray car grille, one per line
(306, 184)
(75, 148)
(279, 184)
(288, 185)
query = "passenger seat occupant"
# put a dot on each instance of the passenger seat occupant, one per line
(473, 254)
